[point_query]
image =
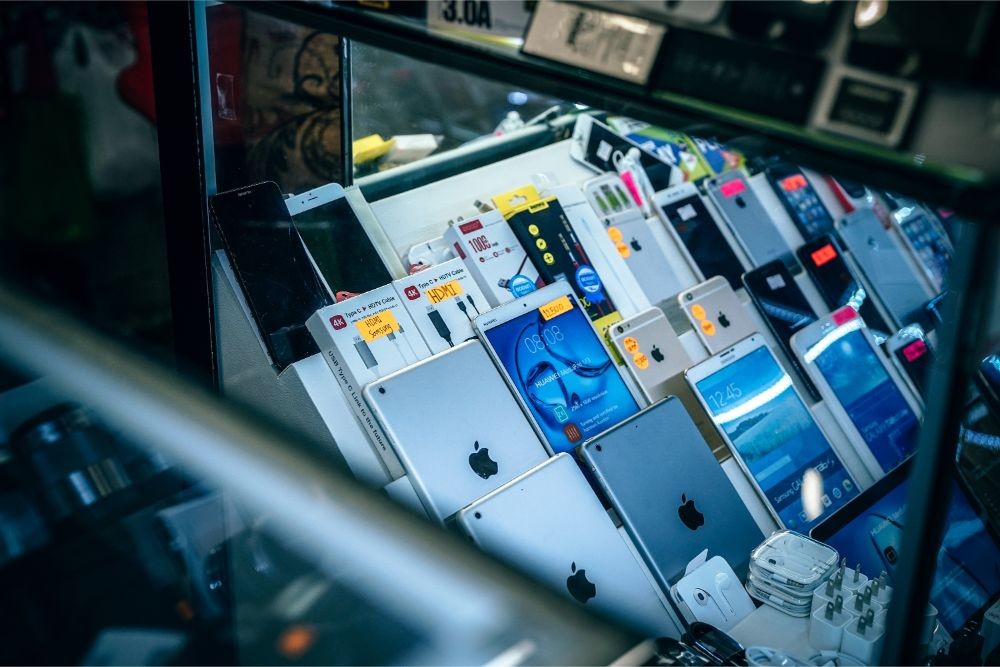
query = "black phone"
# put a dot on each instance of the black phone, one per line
(824, 262)
(913, 354)
(602, 143)
(276, 273)
(784, 307)
(700, 234)
(800, 200)
(714, 644)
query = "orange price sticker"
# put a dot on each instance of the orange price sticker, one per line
(708, 328)
(630, 344)
(623, 250)
(615, 234)
(556, 308)
(698, 311)
(378, 325)
(641, 361)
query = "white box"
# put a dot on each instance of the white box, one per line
(442, 300)
(365, 338)
(494, 257)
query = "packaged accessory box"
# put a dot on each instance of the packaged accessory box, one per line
(494, 257)
(365, 338)
(443, 300)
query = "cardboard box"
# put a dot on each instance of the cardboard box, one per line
(365, 338)
(443, 300)
(494, 257)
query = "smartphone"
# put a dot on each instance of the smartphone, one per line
(885, 266)
(772, 434)
(871, 403)
(783, 306)
(652, 351)
(838, 285)
(557, 366)
(598, 146)
(913, 357)
(927, 240)
(800, 200)
(716, 314)
(341, 246)
(697, 233)
(274, 269)
(747, 219)
(632, 237)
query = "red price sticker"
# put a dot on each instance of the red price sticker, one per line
(732, 188)
(845, 314)
(915, 350)
(824, 254)
(793, 183)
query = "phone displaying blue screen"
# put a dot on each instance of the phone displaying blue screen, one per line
(873, 402)
(753, 402)
(564, 374)
(968, 564)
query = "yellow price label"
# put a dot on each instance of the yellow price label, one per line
(630, 344)
(378, 325)
(640, 360)
(623, 250)
(556, 308)
(444, 292)
(698, 311)
(615, 234)
(708, 327)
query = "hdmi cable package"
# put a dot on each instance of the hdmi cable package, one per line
(443, 300)
(363, 339)
(494, 257)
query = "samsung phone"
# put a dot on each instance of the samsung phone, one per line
(873, 406)
(716, 314)
(772, 434)
(913, 357)
(343, 248)
(800, 200)
(885, 266)
(697, 232)
(747, 218)
(652, 351)
(598, 146)
(838, 285)
(556, 363)
(274, 269)
(783, 306)
(927, 240)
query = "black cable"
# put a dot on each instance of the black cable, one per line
(440, 326)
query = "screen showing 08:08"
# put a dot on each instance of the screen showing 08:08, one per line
(564, 374)
(773, 432)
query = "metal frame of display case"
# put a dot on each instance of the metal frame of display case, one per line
(185, 160)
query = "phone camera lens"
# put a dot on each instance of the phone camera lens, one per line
(621, 329)
(689, 296)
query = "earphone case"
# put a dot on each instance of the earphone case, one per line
(794, 560)
(794, 589)
(776, 600)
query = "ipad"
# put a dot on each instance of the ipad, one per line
(550, 524)
(557, 365)
(455, 427)
(671, 494)
(869, 531)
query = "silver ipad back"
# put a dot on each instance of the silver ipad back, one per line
(549, 522)
(671, 494)
(455, 427)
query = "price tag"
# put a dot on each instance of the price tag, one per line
(378, 325)
(623, 47)
(630, 344)
(497, 17)
(440, 293)
(640, 360)
(556, 308)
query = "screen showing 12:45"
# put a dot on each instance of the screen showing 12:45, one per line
(774, 434)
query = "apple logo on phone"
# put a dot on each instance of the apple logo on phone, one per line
(689, 514)
(581, 588)
(481, 463)
(723, 320)
(635, 245)
(656, 354)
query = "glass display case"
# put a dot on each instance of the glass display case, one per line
(617, 292)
